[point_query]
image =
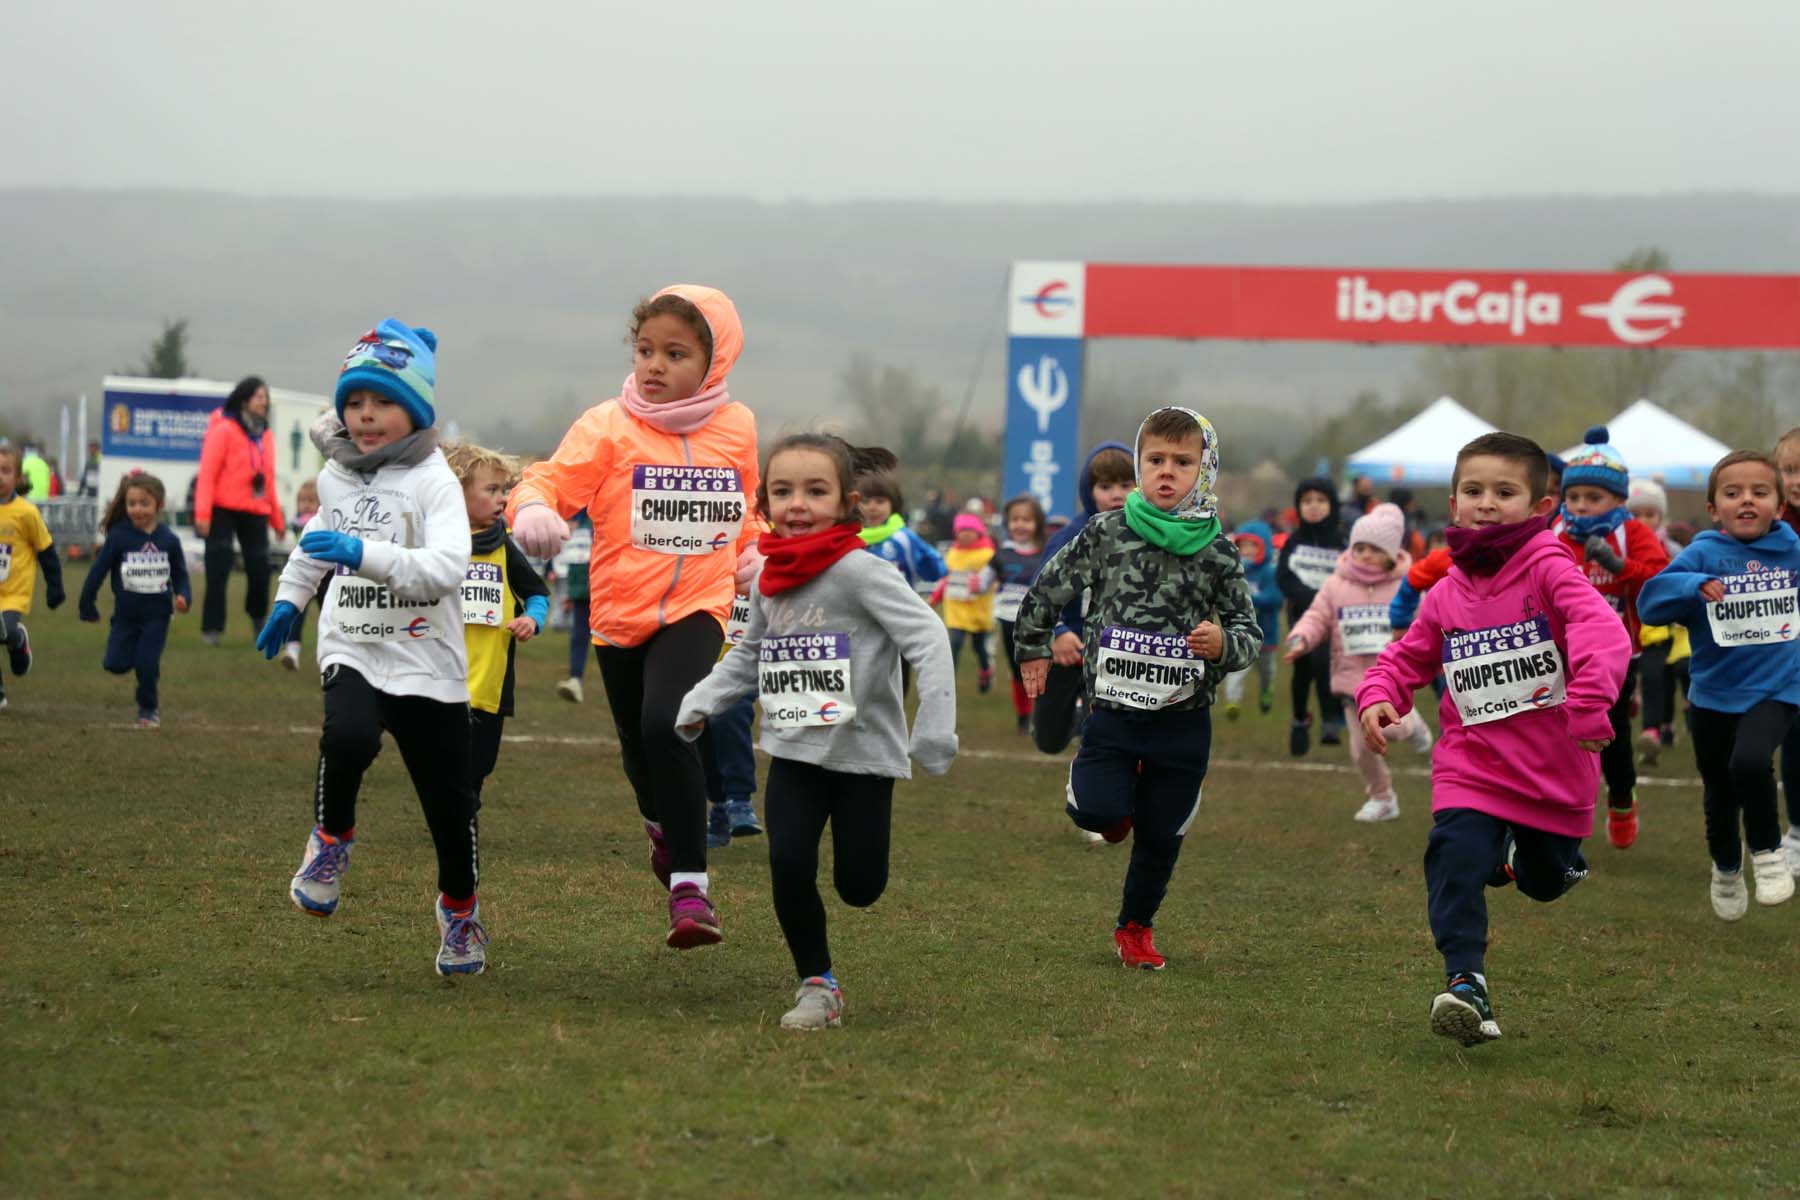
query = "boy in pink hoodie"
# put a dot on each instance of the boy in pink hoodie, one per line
(1351, 609)
(1534, 658)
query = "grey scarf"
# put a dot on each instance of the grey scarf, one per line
(253, 425)
(333, 441)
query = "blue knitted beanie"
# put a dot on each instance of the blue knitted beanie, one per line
(1597, 464)
(398, 361)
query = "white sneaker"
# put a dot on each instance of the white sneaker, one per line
(570, 690)
(462, 942)
(817, 1005)
(1379, 808)
(1729, 899)
(1421, 738)
(290, 657)
(1087, 835)
(1774, 881)
(316, 885)
(1790, 845)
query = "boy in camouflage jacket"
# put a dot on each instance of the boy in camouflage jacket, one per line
(1169, 617)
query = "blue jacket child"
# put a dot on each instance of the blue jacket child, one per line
(1265, 590)
(142, 558)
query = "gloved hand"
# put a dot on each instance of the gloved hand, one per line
(749, 566)
(539, 531)
(332, 546)
(1600, 550)
(54, 596)
(282, 627)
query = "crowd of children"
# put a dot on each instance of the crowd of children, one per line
(714, 582)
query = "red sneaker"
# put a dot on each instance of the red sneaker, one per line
(1119, 832)
(984, 680)
(1621, 826)
(1136, 948)
(692, 919)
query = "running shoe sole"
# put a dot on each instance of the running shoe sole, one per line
(1460, 1021)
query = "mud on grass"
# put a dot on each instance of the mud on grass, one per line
(173, 1026)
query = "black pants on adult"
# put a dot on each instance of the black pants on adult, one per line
(644, 687)
(1618, 762)
(799, 800)
(1053, 713)
(1149, 767)
(137, 646)
(1463, 858)
(485, 729)
(433, 737)
(252, 533)
(1312, 674)
(1736, 756)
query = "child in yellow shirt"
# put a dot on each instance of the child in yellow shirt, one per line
(25, 550)
(968, 593)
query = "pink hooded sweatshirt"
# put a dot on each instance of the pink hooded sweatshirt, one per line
(1354, 600)
(1524, 766)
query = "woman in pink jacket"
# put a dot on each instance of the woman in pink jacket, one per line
(1533, 657)
(235, 497)
(1351, 609)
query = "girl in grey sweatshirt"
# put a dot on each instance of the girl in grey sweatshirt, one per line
(828, 629)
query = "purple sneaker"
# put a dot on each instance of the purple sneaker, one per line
(692, 921)
(661, 862)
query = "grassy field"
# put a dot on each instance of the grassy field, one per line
(174, 1027)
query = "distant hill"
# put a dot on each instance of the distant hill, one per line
(530, 295)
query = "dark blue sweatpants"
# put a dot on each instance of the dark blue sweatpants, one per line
(1464, 856)
(138, 645)
(727, 753)
(1149, 767)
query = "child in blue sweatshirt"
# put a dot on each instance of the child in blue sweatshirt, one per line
(1256, 547)
(1735, 590)
(143, 559)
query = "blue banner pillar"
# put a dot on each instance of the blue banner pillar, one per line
(1045, 356)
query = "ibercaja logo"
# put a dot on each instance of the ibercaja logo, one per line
(418, 628)
(1540, 697)
(828, 711)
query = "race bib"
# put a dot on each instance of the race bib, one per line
(5, 561)
(1145, 670)
(966, 585)
(805, 680)
(738, 623)
(1313, 565)
(365, 611)
(1006, 604)
(484, 595)
(686, 510)
(1758, 608)
(145, 572)
(1494, 673)
(1365, 627)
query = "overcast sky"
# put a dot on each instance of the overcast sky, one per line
(954, 99)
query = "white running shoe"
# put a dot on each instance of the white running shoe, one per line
(570, 690)
(1087, 835)
(290, 657)
(817, 1005)
(1774, 881)
(1379, 808)
(316, 885)
(1790, 845)
(1421, 738)
(1729, 899)
(462, 942)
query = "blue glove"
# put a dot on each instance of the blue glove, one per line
(283, 625)
(328, 545)
(1404, 606)
(538, 609)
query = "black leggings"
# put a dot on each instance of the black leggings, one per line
(644, 687)
(1053, 713)
(485, 730)
(252, 533)
(433, 737)
(1736, 756)
(1312, 673)
(1618, 762)
(799, 800)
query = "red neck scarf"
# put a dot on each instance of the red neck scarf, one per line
(1485, 551)
(792, 561)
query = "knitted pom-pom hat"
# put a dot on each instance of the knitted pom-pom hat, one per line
(1596, 463)
(398, 361)
(1381, 527)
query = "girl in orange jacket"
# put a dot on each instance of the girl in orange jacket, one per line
(667, 471)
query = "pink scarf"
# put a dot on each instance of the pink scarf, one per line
(1356, 572)
(676, 416)
(1485, 551)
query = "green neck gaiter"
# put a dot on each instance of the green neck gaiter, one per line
(1167, 531)
(874, 535)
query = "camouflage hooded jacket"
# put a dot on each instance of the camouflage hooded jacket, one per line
(1137, 588)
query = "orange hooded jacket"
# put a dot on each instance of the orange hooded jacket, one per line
(613, 464)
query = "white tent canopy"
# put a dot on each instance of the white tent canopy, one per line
(1657, 444)
(1424, 449)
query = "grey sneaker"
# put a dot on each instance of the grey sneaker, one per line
(1790, 845)
(1774, 881)
(817, 1005)
(1730, 899)
(462, 942)
(211, 639)
(570, 690)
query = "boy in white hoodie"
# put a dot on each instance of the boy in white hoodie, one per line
(393, 527)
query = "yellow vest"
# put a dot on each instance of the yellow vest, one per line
(487, 645)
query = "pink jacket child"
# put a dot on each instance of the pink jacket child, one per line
(1513, 711)
(1351, 608)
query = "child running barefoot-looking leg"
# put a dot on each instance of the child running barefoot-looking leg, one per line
(1157, 574)
(667, 471)
(392, 531)
(1533, 657)
(828, 630)
(1735, 590)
